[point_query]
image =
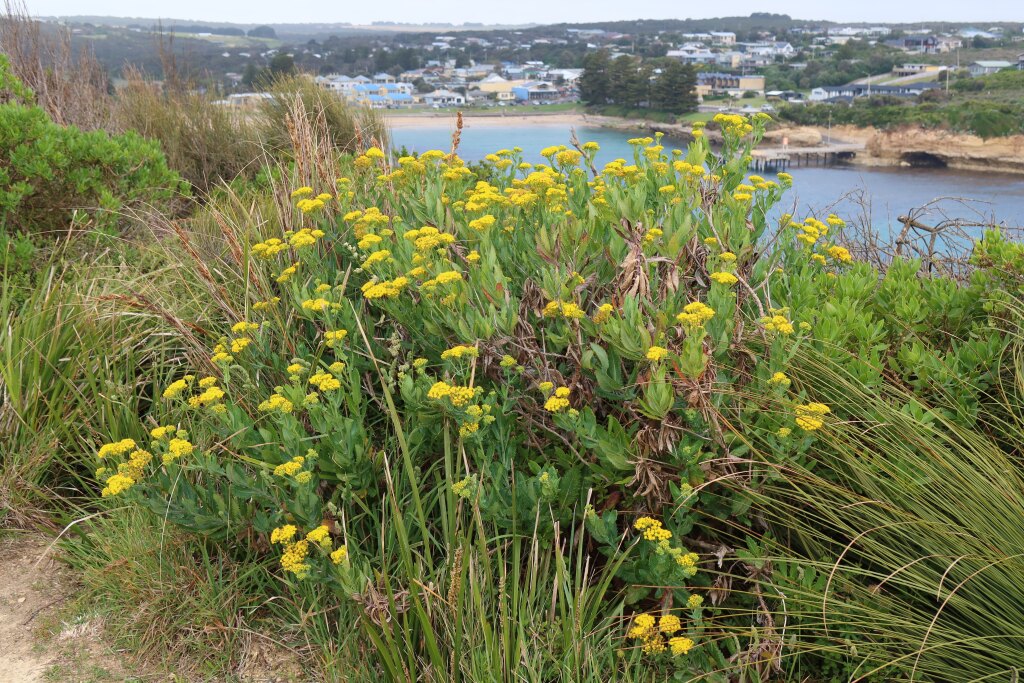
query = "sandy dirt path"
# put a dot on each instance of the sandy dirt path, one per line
(30, 589)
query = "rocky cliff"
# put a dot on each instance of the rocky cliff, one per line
(920, 147)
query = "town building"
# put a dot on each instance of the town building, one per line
(852, 91)
(986, 67)
(709, 83)
(535, 91)
(905, 70)
(443, 98)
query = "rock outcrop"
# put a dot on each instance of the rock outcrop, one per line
(921, 147)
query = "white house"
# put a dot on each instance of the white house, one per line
(443, 98)
(986, 67)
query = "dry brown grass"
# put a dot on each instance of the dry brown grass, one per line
(69, 83)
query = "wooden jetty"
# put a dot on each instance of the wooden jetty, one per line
(781, 158)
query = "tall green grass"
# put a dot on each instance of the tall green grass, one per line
(899, 548)
(72, 370)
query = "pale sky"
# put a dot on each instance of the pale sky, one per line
(529, 11)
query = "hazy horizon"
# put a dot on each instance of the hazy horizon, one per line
(525, 11)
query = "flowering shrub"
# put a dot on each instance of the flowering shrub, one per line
(521, 349)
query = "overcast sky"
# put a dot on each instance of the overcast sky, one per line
(529, 11)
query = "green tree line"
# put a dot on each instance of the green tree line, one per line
(662, 84)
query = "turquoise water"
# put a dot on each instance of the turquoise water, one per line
(858, 193)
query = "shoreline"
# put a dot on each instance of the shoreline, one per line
(899, 148)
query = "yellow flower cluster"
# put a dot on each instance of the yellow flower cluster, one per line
(385, 289)
(309, 205)
(175, 388)
(656, 353)
(334, 337)
(604, 312)
(340, 556)
(680, 645)
(269, 249)
(376, 257)
(483, 223)
(287, 273)
(448, 276)
(558, 401)
(116, 448)
(177, 448)
(776, 321)
(128, 472)
(458, 395)
(294, 558)
(651, 634)
(810, 231)
(429, 237)
(733, 124)
(460, 351)
(779, 379)
(276, 403)
(369, 240)
(304, 238)
(724, 278)
(283, 534)
(161, 433)
(476, 415)
(465, 487)
(566, 309)
(265, 305)
(321, 536)
(656, 533)
(220, 354)
(209, 398)
(290, 468)
(324, 382)
(695, 314)
(652, 529)
(317, 305)
(365, 221)
(840, 254)
(810, 416)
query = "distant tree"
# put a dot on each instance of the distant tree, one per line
(407, 59)
(262, 32)
(595, 82)
(675, 88)
(250, 75)
(630, 81)
(282, 65)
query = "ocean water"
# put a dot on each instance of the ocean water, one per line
(864, 194)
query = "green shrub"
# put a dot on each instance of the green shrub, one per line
(56, 177)
(478, 413)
